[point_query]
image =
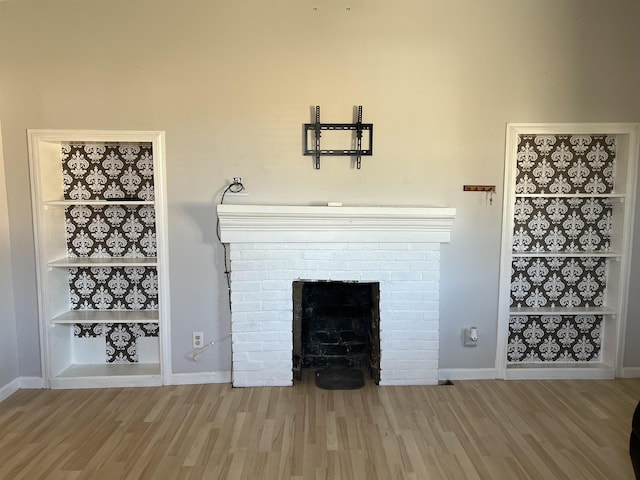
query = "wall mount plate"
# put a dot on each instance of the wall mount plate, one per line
(318, 127)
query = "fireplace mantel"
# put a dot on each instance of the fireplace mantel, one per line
(294, 224)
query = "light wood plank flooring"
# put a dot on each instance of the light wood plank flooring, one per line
(470, 430)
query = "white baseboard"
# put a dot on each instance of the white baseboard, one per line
(32, 382)
(175, 379)
(200, 377)
(443, 374)
(467, 374)
(9, 389)
(560, 374)
(17, 383)
(631, 372)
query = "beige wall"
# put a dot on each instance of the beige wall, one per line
(232, 83)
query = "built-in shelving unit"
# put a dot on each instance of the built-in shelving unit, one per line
(101, 249)
(567, 225)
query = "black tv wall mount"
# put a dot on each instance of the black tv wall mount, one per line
(316, 129)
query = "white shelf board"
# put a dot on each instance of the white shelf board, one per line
(104, 262)
(96, 203)
(562, 311)
(107, 316)
(110, 369)
(108, 375)
(556, 371)
(570, 195)
(568, 254)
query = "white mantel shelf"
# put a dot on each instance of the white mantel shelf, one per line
(294, 224)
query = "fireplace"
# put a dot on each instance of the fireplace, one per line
(336, 324)
(395, 248)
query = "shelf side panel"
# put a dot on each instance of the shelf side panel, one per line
(60, 349)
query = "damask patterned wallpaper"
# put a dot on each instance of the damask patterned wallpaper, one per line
(554, 338)
(560, 164)
(113, 288)
(111, 172)
(104, 171)
(565, 164)
(120, 338)
(111, 231)
(558, 281)
(562, 225)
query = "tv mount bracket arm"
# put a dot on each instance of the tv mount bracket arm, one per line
(317, 128)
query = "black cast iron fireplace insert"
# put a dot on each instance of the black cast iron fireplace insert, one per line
(336, 324)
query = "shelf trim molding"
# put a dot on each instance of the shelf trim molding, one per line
(567, 254)
(107, 316)
(97, 203)
(513, 311)
(74, 262)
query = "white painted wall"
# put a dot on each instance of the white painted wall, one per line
(8, 337)
(232, 83)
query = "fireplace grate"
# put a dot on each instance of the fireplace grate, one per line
(336, 378)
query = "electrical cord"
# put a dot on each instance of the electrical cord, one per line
(235, 187)
(201, 350)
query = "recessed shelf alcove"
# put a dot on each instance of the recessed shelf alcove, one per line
(102, 263)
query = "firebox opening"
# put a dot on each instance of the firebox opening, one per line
(336, 324)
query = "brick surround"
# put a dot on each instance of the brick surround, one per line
(262, 274)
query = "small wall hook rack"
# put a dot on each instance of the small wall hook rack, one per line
(479, 188)
(317, 127)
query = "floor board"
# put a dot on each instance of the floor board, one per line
(490, 429)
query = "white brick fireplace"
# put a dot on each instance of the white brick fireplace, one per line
(271, 246)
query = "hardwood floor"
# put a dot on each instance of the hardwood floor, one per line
(470, 430)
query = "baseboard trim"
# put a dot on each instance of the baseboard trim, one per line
(20, 383)
(31, 382)
(9, 389)
(560, 374)
(631, 372)
(199, 378)
(443, 374)
(467, 374)
(175, 379)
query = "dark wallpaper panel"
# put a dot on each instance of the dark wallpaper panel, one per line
(111, 172)
(111, 231)
(558, 281)
(89, 330)
(113, 288)
(562, 225)
(107, 171)
(554, 338)
(120, 338)
(563, 164)
(580, 165)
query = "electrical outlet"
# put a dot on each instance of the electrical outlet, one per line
(470, 337)
(198, 339)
